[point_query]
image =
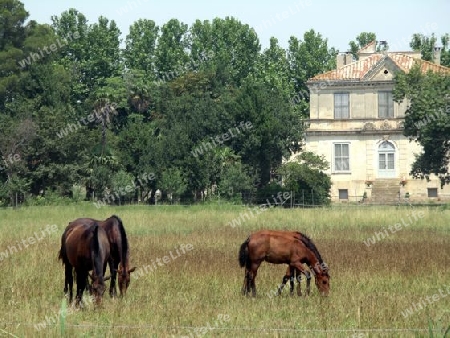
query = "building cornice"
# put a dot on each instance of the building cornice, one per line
(347, 83)
(355, 126)
(372, 119)
(396, 131)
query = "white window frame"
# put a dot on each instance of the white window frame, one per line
(389, 104)
(341, 171)
(341, 94)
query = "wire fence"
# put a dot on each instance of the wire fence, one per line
(241, 329)
(286, 199)
(305, 198)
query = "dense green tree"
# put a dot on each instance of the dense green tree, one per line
(13, 16)
(104, 53)
(198, 109)
(308, 58)
(171, 56)
(272, 68)
(12, 37)
(275, 131)
(424, 44)
(72, 25)
(140, 47)
(236, 183)
(445, 52)
(173, 183)
(427, 119)
(228, 46)
(427, 44)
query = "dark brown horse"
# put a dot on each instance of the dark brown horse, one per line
(84, 247)
(281, 247)
(120, 251)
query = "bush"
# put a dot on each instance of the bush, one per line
(269, 192)
(49, 198)
(78, 193)
(307, 179)
(235, 183)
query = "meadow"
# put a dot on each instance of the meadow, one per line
(188, 281)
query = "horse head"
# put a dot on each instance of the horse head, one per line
(322, 278)
(123, 279)
(98, 287)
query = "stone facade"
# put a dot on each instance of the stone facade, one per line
(357, 127)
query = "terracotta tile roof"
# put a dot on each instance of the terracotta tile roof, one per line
(359, 69)
(353, 71)
(406, 62)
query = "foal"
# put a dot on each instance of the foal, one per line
(278, 247)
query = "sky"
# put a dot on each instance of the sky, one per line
(394, 21)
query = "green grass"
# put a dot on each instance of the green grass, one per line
(370, 286)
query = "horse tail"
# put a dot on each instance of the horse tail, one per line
(243, 254)
(95, 246)
(95, 252)
(124, 250)
(62, 251)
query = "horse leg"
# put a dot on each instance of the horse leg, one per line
(81, 285)
(245, 286)
(291, 280)
(299, 270)
(283, 283)
(253, 273)
(68, 282)
(308, 282)
(299, 280)
(88, 286)
(113, 266)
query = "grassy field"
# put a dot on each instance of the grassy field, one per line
(197, 293)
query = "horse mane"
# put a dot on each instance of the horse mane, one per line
(123, 234)
(311, 246)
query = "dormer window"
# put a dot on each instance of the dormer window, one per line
(341, 106)
(385, 105)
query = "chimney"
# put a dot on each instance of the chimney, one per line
(437, 55)
(340, 60)
(348, 58)
(343, 59)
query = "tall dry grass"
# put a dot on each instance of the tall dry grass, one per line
(370, 286)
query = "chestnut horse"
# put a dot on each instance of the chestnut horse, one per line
(120, 251)
(281, 247)
(84, 248)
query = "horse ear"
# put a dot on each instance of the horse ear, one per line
(132, 269)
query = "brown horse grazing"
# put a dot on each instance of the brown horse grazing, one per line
(84, 248)
(280, 247)
(120, 251)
